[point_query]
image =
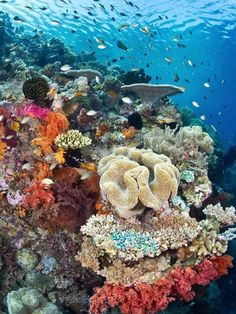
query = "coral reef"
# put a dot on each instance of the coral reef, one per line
(103, 184)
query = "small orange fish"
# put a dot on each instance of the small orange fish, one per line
(89, 166)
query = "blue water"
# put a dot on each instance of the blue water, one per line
(207, 29)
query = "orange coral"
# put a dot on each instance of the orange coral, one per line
(42, 170)
(54, 124)
(3, 147)
(129, 133)
(101, 130)
(43, 146)
(2, 129)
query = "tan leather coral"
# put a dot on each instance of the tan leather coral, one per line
(132, 179)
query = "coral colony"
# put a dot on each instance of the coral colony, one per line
(102, 185)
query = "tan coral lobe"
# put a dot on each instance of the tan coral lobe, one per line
(132, 179)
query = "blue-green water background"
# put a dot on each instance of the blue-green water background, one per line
(206, 28)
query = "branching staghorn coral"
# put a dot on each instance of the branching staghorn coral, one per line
(186, 148)
(132, 179)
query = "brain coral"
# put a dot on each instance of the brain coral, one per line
(132, 179)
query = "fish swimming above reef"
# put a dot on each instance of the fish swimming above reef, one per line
(121, 45)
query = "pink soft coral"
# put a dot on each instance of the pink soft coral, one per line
(33, 110)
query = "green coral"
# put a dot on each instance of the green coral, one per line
(187, 176)
(73, 139)
(26, 300)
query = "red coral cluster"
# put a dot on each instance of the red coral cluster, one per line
(37, 196)
(151, 298)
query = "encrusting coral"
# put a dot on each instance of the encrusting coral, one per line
(132, 179)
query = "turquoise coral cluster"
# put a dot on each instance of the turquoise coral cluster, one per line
(137, 241)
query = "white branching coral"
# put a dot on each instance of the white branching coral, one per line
(225, 217)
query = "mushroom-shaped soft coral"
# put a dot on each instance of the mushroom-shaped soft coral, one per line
(151, 94)
(132, 179)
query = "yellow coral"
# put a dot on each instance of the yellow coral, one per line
(59, 156)
(3, 147)
(132, 179)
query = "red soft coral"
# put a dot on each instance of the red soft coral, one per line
(38, 196)
(222, 264)
(151, 298)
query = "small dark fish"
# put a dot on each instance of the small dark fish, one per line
(167, 17)
(122, 14)
(187, 81)
(157, 77)
(76, 17)
(96, 0)
(136, 7)
(43, 8)
(113, 19)
(122, 58)
(138, 14)
(122, 45)
(112, 7)
(176, 77)
(64, 1)
(113, 60)
(205, 97)
(93, 53)
(29, 7)
(160, 17)
(76, 12)
(90, 13)
(190, 32)
(89, 40)
(3, 1)
(180, 36)
(73, 31)
(18, 19)
(145, 54)
(147, 65)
